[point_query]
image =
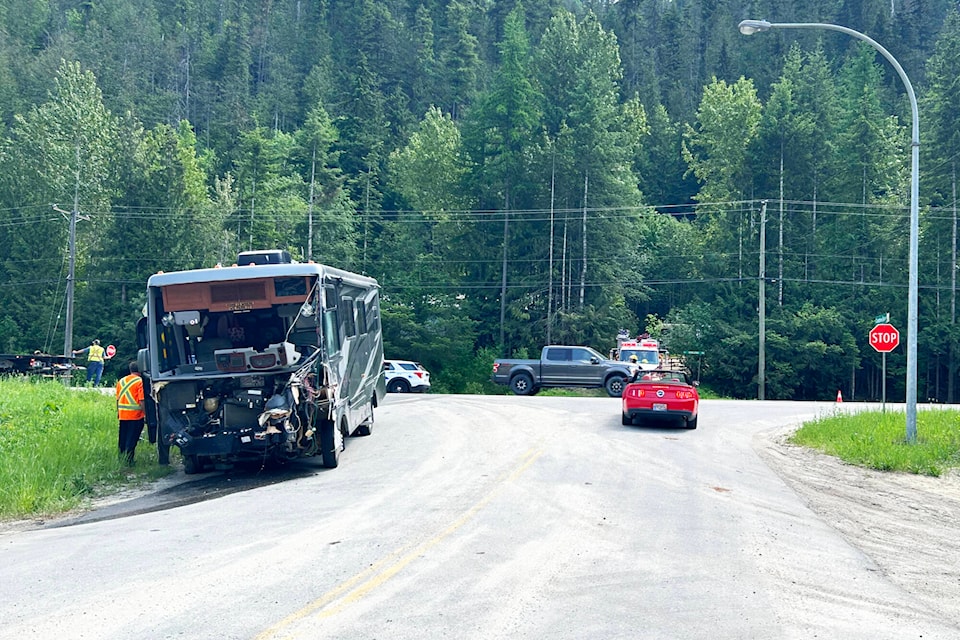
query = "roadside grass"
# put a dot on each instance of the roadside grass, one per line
(58, 448)
(706, 393)
(574, 392)
(877, 440)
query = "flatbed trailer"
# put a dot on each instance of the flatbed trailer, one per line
(42, 365)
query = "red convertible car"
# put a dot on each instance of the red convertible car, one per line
(661, 394)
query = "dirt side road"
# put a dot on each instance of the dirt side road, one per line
(908, 524)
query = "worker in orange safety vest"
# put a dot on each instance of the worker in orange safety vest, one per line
(130, 412)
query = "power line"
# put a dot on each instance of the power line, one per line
(438, 216)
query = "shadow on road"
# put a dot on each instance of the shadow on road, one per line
(179, 489)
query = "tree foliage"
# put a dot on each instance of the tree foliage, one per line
(512, 173)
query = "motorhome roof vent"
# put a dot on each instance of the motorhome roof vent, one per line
(271, 256)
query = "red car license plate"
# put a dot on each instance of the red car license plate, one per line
(659, 406)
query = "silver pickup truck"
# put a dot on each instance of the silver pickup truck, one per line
(563, 366)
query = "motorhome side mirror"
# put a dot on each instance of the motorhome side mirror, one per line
(143, 361)
(142, 337)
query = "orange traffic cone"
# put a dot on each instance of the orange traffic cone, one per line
(839, 396)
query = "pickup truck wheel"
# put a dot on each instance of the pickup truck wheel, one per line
(615, 385)
(522, 384)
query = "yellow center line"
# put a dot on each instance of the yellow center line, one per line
(381, 571)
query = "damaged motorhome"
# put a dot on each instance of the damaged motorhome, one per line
(264, 361)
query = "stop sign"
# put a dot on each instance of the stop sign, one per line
(111, 351)
(884, 337)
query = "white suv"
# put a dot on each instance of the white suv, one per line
(406, 376)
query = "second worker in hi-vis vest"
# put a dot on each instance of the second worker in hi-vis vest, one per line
(130, 412)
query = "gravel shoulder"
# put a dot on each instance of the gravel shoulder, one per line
(908, 524)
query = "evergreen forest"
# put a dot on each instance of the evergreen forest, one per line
(513, 172)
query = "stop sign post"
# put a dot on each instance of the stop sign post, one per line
(884, 337)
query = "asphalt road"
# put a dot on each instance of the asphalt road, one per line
(473, 517)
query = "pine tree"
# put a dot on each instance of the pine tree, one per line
(941, 150)
(501, 131)
(716, 150)
(63, 151)
(459, 60)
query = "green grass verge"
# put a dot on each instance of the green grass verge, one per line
(58, 448)
(706, 393)
(878, 440)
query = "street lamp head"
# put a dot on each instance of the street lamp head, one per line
(749, 27)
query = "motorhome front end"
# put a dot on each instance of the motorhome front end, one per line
(262, 362)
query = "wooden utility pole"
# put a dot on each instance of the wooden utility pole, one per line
(71, 273)
(313, 181)
(503, 275)
(583, 233)
(553, 174)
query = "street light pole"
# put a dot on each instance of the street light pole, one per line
(762, 298)
(748, 27)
